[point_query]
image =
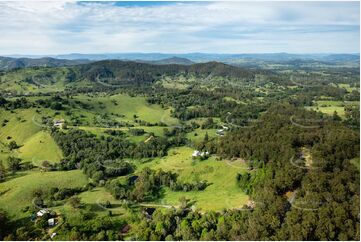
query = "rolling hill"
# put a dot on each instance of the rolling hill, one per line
(8, 63)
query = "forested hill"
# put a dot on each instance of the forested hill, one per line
(168, 61)
(134, 71)
(8, 63)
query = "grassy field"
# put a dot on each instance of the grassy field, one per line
(97, 197)
(40, 147)
(347, 87)
(127, 106)
(329, 107)
(24, 127)
(223, 191)
(35, 145)
(198, 134)
(17, 192)
(40, 80)
(20, 126)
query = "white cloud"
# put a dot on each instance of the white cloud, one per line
(63, 27)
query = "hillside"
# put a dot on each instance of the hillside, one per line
(110, 73)
(8, 63)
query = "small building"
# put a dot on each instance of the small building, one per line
(220, 132)
(41, 212)
(51, 222)
(59, 123)
(198, 153)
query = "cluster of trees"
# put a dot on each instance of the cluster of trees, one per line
(148, 185)
(102, 158)
(13, 164)
(136, 132)
(188, 186)
(14, 104)
(352, 114)
(89, 226)
(196, 103)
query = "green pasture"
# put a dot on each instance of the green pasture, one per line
(17, 193)
(223, 191)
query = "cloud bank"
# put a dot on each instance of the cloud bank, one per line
(179, 27)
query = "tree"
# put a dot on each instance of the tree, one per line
(2, 171)
(45, 164)
(74, 201)
(14, 164)
(13, 145)
(336, 117)
(4, 224)
(206, 138)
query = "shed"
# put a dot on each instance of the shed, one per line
(51, 222)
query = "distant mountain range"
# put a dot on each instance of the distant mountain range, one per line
(17, 61)
(203, 57)
(8, 63)
(169, 61)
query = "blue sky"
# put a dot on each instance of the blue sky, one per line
(61, 27)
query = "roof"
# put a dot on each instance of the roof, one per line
(199, 153)
(41, 212)
(51, 221)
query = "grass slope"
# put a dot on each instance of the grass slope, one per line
(40, 147)
(20, 126)
(222, 193)
(17, 193)
(128, 106)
